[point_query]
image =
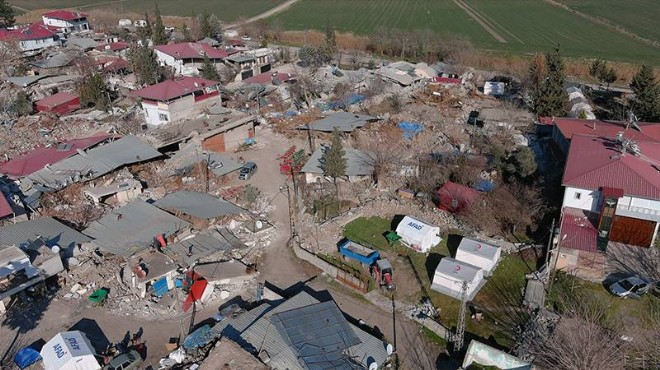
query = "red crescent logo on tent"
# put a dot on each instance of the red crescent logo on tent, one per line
(458, 268)
(478, 245)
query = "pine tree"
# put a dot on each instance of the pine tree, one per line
(145, 33)
(144, 63)
(94, 92)
(535, 78)
(597, 68)
(646, 103)
(159, 36)
(208, 70)
(7, 16)
(334, 159)
(185, 31)
(330, 41)
(553, 98)
(205, 26)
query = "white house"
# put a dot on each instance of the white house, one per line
(612, 192)
(251, 62)
(187, 58)
(66, 21)
(32, 37)
(178, 99)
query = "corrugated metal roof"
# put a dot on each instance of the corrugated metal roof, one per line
(358, 162)
(575, 126)
(200, 247)
(254, 329)
(199, 205)
(219, 163)
(320, 335)
(55, 100)
(95, 162)
(5, 208)
(579, 227)
(49, 229)
(171, 89)
(342, 121)
(132, 228)
(596, 162)
(36, 159)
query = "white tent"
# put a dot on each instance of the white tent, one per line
(450, 275)
(480, 254)
(418, 235)
(69, 350)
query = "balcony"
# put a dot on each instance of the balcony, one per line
(638, 212)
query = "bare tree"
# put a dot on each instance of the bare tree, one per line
(583, 338)
(385, 158)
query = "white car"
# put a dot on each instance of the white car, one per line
(246, 38)
(633, 286)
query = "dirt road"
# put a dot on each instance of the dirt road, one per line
(265, 14)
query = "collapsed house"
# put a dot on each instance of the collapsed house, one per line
(359, 166)
(301, 333)
(341, 121)
(200, 209)
(134, 228)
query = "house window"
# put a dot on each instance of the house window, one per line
(162, 116)
(577, 196)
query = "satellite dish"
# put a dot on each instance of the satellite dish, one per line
(55, 249)
(373, 366)
(258, 224)
(390, 349)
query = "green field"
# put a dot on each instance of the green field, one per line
(226, 10)
(525, 26)
(505, 26)
(640, 17)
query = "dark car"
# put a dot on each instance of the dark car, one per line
(248, 169)
(130, 360)
(633, 286)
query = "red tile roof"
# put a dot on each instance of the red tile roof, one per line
(113, 46)
(57, 99)
(578, 226)
(34, 31)
(596, 162)
(170, 89)
(191, 50)
(267, 77)
(65, 15)
(5, 208)
(35, 160)
(574, 126)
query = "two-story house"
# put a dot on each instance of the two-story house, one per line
(187, 58)
(612, 193)
(66, 21)
(32, 37)
(177, 99)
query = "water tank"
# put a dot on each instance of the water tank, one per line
(55, 249)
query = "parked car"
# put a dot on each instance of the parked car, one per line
(130, 360)
(633, 286)
(248, 169)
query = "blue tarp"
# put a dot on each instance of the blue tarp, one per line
(26, 357)
(199, 338)
(485, 186)
(410, 129)
(160, 287)
(345, 103)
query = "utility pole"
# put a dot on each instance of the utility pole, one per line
(393, 323)
(552, 235)
(460, 327)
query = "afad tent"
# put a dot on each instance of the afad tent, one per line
(418, 235)
(450, 275)
(69, 350)
(480, 254)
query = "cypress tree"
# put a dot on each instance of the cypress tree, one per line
(646, 103)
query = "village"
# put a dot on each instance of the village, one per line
(179, 198)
